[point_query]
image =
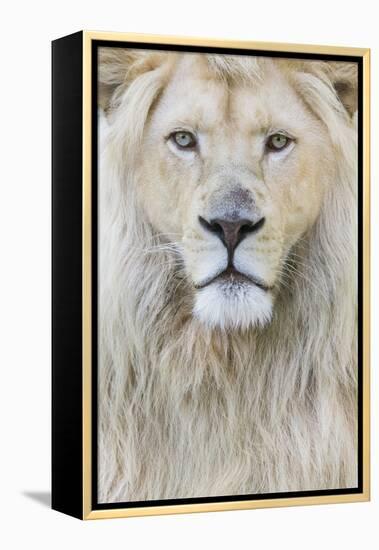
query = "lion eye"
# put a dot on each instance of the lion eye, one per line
(184, 140)
(277, 142)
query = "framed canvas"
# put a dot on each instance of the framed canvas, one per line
(210, 275)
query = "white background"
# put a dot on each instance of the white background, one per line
(27, 29)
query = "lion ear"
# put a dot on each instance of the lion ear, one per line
(113, 66)
(344, 77)
(119, 67)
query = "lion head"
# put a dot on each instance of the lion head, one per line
(233, 157)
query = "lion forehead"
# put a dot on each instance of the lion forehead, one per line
(208, 100)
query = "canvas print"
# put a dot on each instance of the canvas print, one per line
(227, 275)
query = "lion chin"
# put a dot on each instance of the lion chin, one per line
(233, 306)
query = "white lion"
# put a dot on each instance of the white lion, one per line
(227, 283)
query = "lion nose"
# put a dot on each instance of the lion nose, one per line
(231, 232)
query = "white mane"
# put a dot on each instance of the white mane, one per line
(186, 411)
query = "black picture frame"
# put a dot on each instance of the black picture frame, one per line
(71, 429)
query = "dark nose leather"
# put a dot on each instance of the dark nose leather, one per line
(231, 232)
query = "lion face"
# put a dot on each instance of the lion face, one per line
(234, 175)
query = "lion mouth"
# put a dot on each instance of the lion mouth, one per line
(232, 276)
